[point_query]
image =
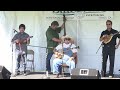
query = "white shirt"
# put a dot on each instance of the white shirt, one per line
(74, 50)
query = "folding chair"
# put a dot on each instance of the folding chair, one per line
(30, 59)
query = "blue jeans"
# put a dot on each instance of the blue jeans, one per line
(58, 62)
(19, 59)
(48, 66)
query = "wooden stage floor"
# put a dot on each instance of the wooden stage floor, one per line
(42, 75)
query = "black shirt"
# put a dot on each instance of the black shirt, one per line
(113, 41)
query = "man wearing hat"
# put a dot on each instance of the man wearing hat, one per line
(68, 55)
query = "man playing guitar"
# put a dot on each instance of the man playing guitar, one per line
(109, 47)
(21, 39)
(65, 54)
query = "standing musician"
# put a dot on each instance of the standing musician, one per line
(21, 39)
(108, 38)
(52, 35)
(65, 54)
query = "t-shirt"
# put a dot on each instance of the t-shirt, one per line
(50, 34)
(68, 49)
(21, 36)
(113, 41)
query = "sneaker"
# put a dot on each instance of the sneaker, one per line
(54, 73)
(110, 76)
(49, 72)
(25, 74)
(17, 73)
(13, 75)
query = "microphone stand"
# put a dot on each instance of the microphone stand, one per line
(99, 48)
(12, 51)
(102, 72)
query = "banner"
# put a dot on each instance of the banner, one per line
(80, 15)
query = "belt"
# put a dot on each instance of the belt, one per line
(108, 45)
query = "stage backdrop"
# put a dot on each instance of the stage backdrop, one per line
(85, 27)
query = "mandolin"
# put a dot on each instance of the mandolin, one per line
(108, 38)
(21, 41)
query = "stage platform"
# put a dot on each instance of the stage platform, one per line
(42, 75)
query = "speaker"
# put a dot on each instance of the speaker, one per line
(4, 73)
(78, 73)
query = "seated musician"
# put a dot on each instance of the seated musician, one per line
(21, 39)
(66, 57)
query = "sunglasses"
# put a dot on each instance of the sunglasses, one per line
(67, 39)
(108, 24)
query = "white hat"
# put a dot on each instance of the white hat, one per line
(67, 36)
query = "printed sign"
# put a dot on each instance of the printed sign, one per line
(80, 15)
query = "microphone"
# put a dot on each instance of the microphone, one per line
(15, 31)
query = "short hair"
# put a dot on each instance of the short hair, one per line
(109, 21)
(21, 25)
(55, 23)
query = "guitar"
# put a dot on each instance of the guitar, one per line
(19, 43)
(60, 56)
(108, 38)
(22, 40)
(59, 53)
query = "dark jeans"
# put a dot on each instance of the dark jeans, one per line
(108, 51)
(48, 66)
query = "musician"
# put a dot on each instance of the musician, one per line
(109, 48)
(69, 55)
(52, 35)
(21, 39)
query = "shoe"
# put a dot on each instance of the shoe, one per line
(13, 75)
(17, 73)
(25, 74)
(49, 72)
(57, 76)
(54, 73)
(110, 76)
